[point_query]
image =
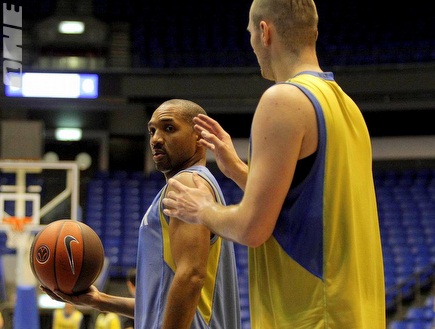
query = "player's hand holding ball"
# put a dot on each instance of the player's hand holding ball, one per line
(67, 256)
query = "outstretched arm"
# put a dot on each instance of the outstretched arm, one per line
(283, 130)
(97, 300)
(216, 139)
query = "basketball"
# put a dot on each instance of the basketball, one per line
(67, 255)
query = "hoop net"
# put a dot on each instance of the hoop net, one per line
(17, 225)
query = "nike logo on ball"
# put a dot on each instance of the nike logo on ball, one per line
(67, 241)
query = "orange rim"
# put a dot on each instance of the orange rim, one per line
(17, 223)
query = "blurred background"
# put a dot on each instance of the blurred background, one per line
(141, 53)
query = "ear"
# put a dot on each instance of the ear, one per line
(198, 139)
(265, 33)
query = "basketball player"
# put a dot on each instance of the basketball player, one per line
(68, 317)
(107, 320)
(186, 275)
(309, 212)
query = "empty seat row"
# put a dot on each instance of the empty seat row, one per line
(417, 317)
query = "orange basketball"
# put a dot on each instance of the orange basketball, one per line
(67, 255)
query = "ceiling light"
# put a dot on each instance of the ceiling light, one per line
(68, 134)
(71, 27)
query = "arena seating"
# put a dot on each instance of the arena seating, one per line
(420, 317)
(213, 33)
(116, 202)
(202, 34)
(217, 37)
(406, 202)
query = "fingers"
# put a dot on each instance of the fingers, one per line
(199, 182)
(200, 125)
(207, 140)
(174, 185)
(169, 201)
(196, 179)
(205, 122)
(174, 197)
(211, 139)
(170, 205)
(169, 210)
(209, 121)
(168, 213)
(52, 294)
(207, 145)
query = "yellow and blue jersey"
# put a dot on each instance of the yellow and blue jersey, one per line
(218, 306)
(322, 267)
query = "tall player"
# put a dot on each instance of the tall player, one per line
(309, 212)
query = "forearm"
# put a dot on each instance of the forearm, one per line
(228, 222)
(250, 222)
(116, 304)
(238, 173)
(181, 304)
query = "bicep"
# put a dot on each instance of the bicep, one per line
(189, 243)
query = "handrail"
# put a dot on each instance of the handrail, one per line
(396, 290)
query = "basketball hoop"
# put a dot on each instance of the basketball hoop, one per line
(18, 223)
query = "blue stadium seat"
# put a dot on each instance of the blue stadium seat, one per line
(406, 204)
(419, 324)
(398, 325)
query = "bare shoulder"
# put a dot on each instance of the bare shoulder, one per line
(284, 96)
(284, 104)
(284, 112)
(186, 178)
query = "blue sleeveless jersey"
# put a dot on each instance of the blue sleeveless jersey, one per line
(323, 267)
(218, 307)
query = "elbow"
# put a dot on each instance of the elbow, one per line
(198, 280)
(255, 226)
(255, 242)
(193, 278)
(255, 237)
